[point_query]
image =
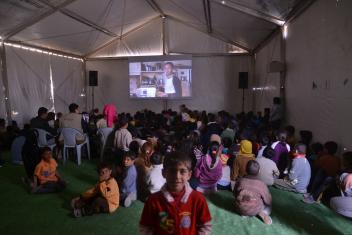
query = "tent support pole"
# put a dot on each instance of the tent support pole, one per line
(84, 78)
(163, 36)
(156, 7)
(5, 82)
(283, 73)
(207, 15)
(254, 80)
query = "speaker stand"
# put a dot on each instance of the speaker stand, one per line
(93, 98)
(165, 104)
(242, 100)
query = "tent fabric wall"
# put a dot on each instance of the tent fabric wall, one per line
(29, 84)
(68, 82)
(215, 83)
(29, 81)
(319, 75)
(266, 85)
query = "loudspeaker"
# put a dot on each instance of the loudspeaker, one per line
(93, 78)
(243, 80)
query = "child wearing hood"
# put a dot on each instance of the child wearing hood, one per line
(240, 163)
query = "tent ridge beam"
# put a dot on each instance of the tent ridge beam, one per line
(207, 15)
(43, 48)
(248, 11)
(214, 34)
(208, 54)
(80, 19)
(156, 7)
(36, 19)
(120, 37)
(299, 9)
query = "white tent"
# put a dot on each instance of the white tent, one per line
(65, 38)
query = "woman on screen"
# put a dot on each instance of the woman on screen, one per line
(171, 83)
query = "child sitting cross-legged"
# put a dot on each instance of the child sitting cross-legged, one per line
(252, 197)
(102, 198)
(46, 177)
(208, 169)
(299, 174)
(129, 179)
(176, 208)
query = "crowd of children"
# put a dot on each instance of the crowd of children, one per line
(169, 160)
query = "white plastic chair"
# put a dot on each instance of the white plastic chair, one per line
(16, 150)
(104, 134)
(42, 139)
(69, 135)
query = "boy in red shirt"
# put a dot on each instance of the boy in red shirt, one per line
(176, 208)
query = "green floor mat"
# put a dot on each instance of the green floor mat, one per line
(22, 213)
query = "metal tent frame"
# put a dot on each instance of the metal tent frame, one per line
(300, 7)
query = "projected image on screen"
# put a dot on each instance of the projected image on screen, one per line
(160, 79)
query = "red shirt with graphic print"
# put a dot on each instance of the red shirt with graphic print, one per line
(176, 217)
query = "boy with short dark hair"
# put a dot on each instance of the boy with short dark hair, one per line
(155, 179)
(102, 198)
(46, 178)
(129, 182)
(299, 175)
(326, 168)
(192, 217)
(252, 197)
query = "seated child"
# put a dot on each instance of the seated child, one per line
(159, 213)
(281, 151)
(46, 178)
(326, 168)
(225, 181)
(316, 150)
(299, 174)
(143, 166)
(155, 180)
(342, 204)
(102, 198)
(209, 169)
(264, 142)
(268, 170)
(241, 160)
(252, 197)
(129, 181)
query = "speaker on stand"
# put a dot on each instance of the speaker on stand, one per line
(243, 84)
(93, 82)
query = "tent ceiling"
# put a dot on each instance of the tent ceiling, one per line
(82, 26)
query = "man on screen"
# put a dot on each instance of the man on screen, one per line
(171, 83)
